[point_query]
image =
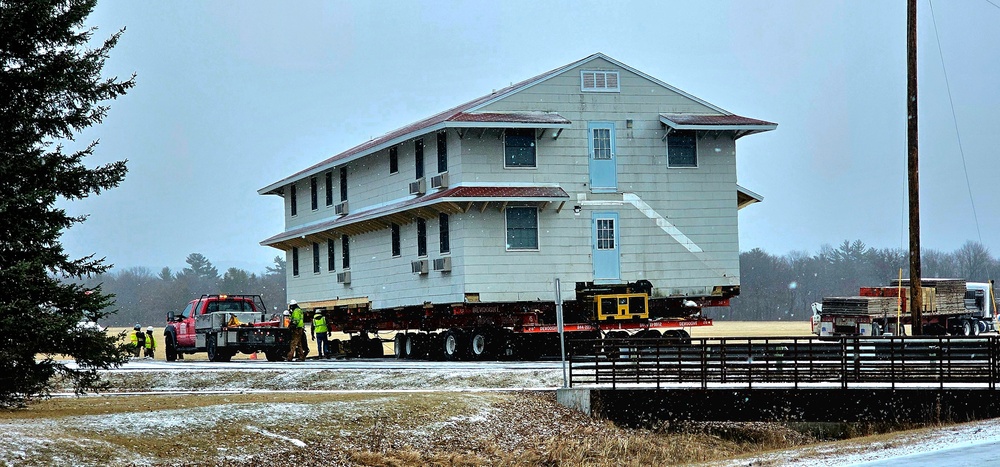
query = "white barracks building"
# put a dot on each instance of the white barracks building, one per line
(593, 173)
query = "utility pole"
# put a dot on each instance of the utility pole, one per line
(916, 298)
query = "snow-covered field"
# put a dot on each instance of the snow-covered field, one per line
(374, 412)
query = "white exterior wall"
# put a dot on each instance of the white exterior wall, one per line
(700, 202)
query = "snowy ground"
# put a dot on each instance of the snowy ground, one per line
(246, 409)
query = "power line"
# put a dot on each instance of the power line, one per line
(991, 3)
(954, 119)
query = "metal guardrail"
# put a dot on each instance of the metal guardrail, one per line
(788, 362)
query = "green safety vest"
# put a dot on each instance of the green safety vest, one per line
(150, 341)
(319, 323)
(297, 319)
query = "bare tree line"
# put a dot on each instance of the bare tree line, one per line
(143, 297)
(783, 287)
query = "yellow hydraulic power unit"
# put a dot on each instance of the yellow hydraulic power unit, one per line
(622, 306)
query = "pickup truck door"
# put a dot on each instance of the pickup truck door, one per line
(185, 328)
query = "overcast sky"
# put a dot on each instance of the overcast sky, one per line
(232, 96)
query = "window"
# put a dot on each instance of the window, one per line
(346, 248)
(421, 237)
(329, 188)
(682, 149)
(343, 183)
(599, 81)
(519, 147)
(394, 160)
(443, 233)
(602, 143)
(522, 228)
(330, 265)
(442, 152)
(293, 200)
(314, 193)
(295, 261)
(315, 258)
(605, 234)
(418, 157)
(396, 249)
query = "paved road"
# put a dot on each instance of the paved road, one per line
(979, 455)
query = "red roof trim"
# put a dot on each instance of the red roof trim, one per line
(693, 119)
(524, 193)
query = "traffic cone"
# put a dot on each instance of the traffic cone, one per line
(253, 356)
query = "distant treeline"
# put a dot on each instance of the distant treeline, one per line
(772, 287)
(145, 298)
(783, 287)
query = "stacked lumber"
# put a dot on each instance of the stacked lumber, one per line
(860, 305)
(940, 296)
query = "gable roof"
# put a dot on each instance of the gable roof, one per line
(464, 115)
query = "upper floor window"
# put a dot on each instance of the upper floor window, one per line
(343, 183)
(442, 148)
(418, 158)
(293, 200)
(329, 188)
(396, 249)
(315, 258)
(314, 193)
(295, 261)
(421, 237)
(443, 236)
(330, 264)
(394, 160)
(599, 81)
(519, 147)
(345, 247)
(522, 228)
(682, 149)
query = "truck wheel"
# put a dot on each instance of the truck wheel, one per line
(399, 345)
(170, 348)
(274, 355)
(452, 344)
(966, 327)
(981, 327)
(479, 344)
(375, 349)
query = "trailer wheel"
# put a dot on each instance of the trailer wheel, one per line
(375, 349)
(966, 327)
(981, 327)
(452, 344)
(399, 346)
(274, 355)
(211, 346)
(479, 344)
(412, 346)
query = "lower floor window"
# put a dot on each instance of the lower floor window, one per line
(522, 228)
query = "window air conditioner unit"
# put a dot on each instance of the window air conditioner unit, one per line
(341, 209)
(440, 180)
(419, 267)
(418, 187)
(443, 264)
(344, 277)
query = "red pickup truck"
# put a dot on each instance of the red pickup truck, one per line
(223, 325)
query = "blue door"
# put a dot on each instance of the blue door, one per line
(603, 168)
(607, 267)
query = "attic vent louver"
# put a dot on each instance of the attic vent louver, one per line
(599, 81)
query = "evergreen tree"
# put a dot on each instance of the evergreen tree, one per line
(50, 89)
